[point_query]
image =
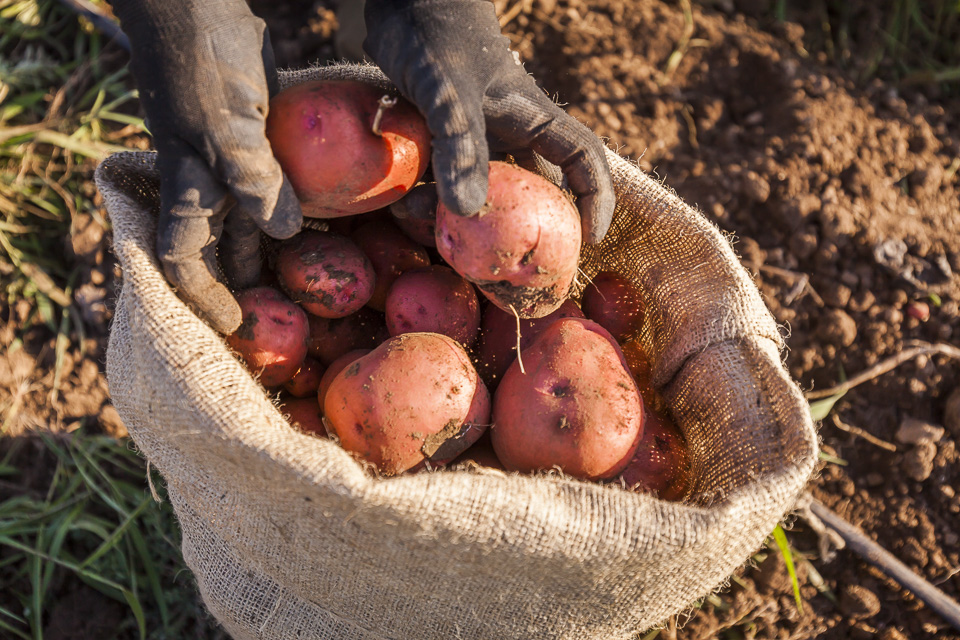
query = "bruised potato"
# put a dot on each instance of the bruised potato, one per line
(325, 273)
(415, 400)
(522, 250)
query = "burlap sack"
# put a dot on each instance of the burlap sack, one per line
(289, 538)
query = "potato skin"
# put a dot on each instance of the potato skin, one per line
(304, 414)
(615, 304)
(330, 338)
(336, 367)
(304, 383)
(272, 340)
(576, 407)
(661, 463)
(434, 299)
(321, 134)
(414, 399)
(325, 273)
(523, 250)
(391, 253)
(420, 230)
(497, 348)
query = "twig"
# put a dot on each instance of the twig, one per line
(801, 282)
(859, 543)
(857, 431)
(886, 365)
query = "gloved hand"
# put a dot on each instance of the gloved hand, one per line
(205, 71)
(449, 58)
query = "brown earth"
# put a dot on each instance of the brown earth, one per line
(843, 199)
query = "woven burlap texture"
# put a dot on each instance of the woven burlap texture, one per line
(289, 537)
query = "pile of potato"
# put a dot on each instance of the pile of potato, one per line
(374, 333)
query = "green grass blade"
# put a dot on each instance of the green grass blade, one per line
(153, 575)
(5, 626)
(36, 588)
(780, 537)
(137, 610)
(114, 538)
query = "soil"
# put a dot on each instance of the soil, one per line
(843, 198)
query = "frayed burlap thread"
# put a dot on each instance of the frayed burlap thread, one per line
(289, 537)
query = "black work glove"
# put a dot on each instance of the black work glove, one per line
(205, 71)
(449, 58)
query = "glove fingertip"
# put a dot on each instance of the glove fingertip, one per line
(597, 215)
(461, 166)
(285, 218)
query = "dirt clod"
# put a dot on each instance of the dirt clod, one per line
(914, 431)
(836, 327)
(858, 602)
(918, 461)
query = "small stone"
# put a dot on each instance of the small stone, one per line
(803, 244)
(862, 301)
(755, 187)
(913, 431)
(858, 602)
(836, 295)
(951, 413)
(837, 327)
(918, 462)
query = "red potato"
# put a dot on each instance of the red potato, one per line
(272, 340)
(434, 299)
(523, 250)
(336, 367)
(661, 464)
(576, 407)
(304, 414)
(420, 230)
(498, 337)
(615, 304)
(325, 273)
(415, 399)
(305, 382)
(408, 211)
(391, 253)
(322, 135)
(330, 338)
